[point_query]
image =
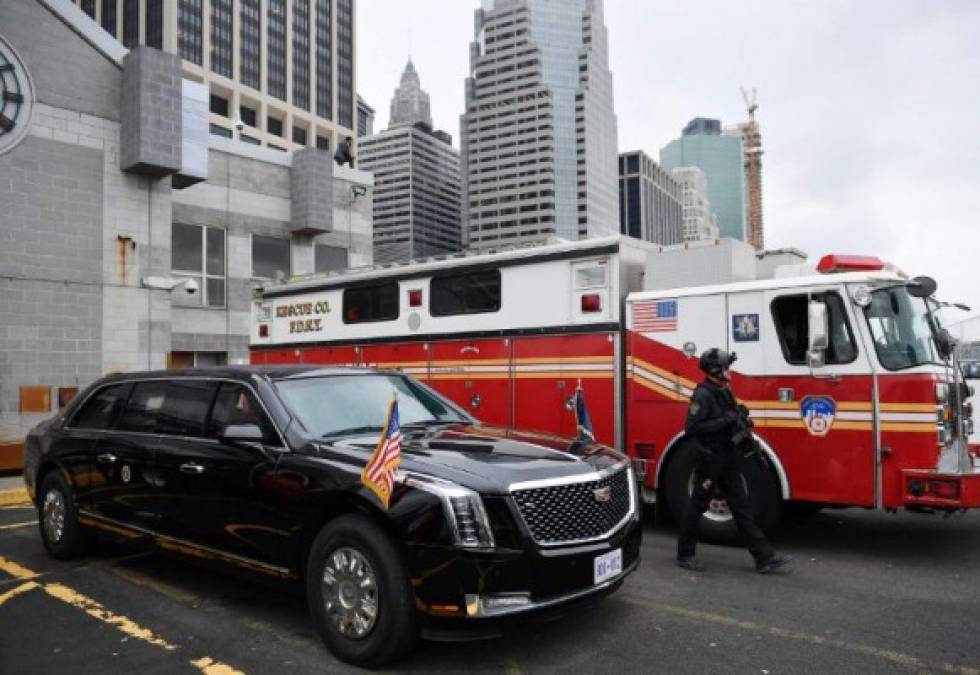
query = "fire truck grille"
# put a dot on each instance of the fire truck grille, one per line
(561, 514)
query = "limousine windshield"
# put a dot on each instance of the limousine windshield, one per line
(335, 405)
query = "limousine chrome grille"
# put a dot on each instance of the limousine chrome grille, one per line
(566, 513)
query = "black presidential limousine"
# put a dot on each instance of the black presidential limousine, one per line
(260, 468)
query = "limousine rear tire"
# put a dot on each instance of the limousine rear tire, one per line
(359, 595)
(57, 518)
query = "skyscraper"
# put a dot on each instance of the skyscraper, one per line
(284, 68)
(416, 180)
(748, 132)
(720, 158)
(538, 135)
(699, 221)
(649, 200)
(365, 118)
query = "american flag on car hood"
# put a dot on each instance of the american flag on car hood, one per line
(379, 473)
(652, 316)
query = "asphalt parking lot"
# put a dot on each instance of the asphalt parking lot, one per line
(869, 593)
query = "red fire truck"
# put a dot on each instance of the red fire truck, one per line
(852, 384)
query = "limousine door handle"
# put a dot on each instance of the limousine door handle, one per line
(192, 468)
(107, 458)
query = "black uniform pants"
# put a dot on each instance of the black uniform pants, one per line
(721, 470)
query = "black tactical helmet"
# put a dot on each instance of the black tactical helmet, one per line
(715, 360)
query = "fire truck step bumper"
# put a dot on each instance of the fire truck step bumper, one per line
(941, 490)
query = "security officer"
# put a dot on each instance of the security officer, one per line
(718, 424)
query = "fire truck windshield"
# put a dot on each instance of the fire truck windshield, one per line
(338, 405)
(900, 327)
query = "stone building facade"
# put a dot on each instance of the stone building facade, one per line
(90, 218)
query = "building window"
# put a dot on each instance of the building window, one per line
(299, 135)
(198, 252)
(329, 258)
(221, 36)
(219, 105)
(473, 293)
(131, 23)
(345, 63)
(248, 139)
(247, 115)
(324, 61)
(196, 359)
(88, 6)
(251, 47)
(109, 17)
(369, 304)
(322, 143)
(189, 28)
(277, 49)
(274, 126)
(791, 316)
(270, 257)
(301, 54)
(154, 23)
(218, 130)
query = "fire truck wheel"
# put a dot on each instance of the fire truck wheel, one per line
(717, 523)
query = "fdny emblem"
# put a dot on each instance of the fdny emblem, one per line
(745, 327)
(818, 414)
(603, 494)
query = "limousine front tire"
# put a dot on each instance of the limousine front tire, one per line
(57, 518)
(359, 595)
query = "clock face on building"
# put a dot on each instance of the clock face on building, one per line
(16, 97)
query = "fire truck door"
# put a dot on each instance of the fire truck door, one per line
(547, 370)
(744, 338)
(817, 419)
(411, 358)
(338, 356)
(476, 375)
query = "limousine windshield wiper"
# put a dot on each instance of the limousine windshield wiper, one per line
(351, 430)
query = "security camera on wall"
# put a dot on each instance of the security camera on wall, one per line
(239, 124)
(191, 287)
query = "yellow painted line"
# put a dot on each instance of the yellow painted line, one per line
(400, 364)
(471, 362)
(690, 384)
(14, 497)
(96, 610)
(854, 406)
(15, 570)
(468, 376)
(889, 655)
(920, 427)
(908, 407)
(16, 525)
(582, 374)
(663, 391)
(17, 590)
(209, 666)
(564, 359)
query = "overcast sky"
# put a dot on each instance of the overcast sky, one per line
(870, 111)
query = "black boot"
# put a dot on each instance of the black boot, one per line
(772, 564)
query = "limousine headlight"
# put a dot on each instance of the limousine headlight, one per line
(464, 510)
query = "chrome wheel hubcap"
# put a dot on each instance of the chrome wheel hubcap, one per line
(350, 593)
(53, 515)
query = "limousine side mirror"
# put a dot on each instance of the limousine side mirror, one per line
(242, 433)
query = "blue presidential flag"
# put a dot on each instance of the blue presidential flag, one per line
(583, 423)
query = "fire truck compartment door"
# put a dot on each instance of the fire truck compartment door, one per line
(476, 375)
(824, 436)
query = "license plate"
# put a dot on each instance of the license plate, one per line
(608, 565)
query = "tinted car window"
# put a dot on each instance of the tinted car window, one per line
(185, 407)
(145, 404)
(236, 406)
(99, 411)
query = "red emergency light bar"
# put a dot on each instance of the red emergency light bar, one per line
(849, 263)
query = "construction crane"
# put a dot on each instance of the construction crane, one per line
(750, 102)
(752, 149)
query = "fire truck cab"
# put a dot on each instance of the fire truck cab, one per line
(854, 392)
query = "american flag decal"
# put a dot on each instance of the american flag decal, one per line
(379, 473)
(652, 316)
